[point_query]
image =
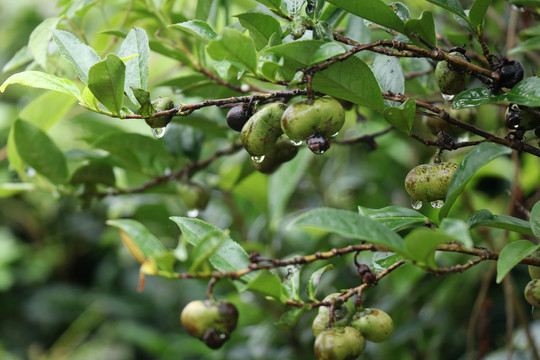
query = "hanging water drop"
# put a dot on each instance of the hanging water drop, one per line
(296, 143)
(416, 204)
(447, 97)
(257, 159)
(437, 204)
(193, 213)
(159, 132)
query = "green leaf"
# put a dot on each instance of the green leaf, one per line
(165, 49)
(266, 283)
(235, 47)
(272, 4)
(526, 92)
(229, 257)
(282, 184)
(10, 189)
(474, 97)
(458, 229)
(350, 224)
(289, 319)
(372, 10)
(423, 27)
(41, 80)
(535, 220)
(47, 109)
(198, 28)
(143, 98)
(394, 217)
(80, 55)
(380, 261)
(402, 117)
(326, 51)
(450, 5)
(511, 255)
(478, 11)
(138, 239)
(95, 172)
(471, 163)
(486, 218)
(106, 81)
(261, 27)
(420, 245)
(39, 40)
(531, 44)
(315, 279)
(38, 151)
(136, 73)
(206, 247)
(294, 55)
(291, 283)
(21, 57)
(362, 88)
(389, 74)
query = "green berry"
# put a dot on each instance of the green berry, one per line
(343, 313)
(374, 324)
(210, 321)
(283, 151)
(532, 293)
(339, 344)
(534, 271)
(450, 81)
(429, 182)
(161, 104)
(262, 130)
(194, 195)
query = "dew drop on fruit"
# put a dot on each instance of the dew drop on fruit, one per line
(257, 159)
(437, 204)
(296, 143)
(193, 213)
(318, 151)
(447, 97)
(416, 204)
(335, 134)
(158, 132)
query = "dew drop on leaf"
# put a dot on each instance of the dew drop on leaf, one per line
(416, 204)
(193, 213)
(158, 132)
(437, 204)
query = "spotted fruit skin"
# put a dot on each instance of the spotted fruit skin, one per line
(534, 271)
(210, 321)
(429, 182)
(161, 104)
(450, 81)
(324, 116)
(339, 344)
(262, 130)
(343, 313)
(532, 293)
(374, 324)
(283, 151)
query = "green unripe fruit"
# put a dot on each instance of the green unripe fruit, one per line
(450, 81)
(374, 324)
(262, 130)
(283, 151)
(210, 321)
(343, 313)
(532, 293)
(194, 195)
(429, 182)
(534, 271)
(324, 117)
(161, 104)
(339, 344)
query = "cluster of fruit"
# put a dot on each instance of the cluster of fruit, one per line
(345, 337)
(532, 290)
(272, 134)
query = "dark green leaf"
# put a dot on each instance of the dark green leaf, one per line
(38, 151)
(402, 117)
(315, 279)
(106, 81)
(450, 5)
(372, 10)
(458, 229)
(350, 80)
(205, 248)
(350, 224)
(531, 44)
(143, 98)
(478, 10)
(511, 255)
(526, 92)
(184, 140)
(474, 97)
(380, 261)
(136, 43)
(471, 163)
(167, 50)
(314, 8)
(486, 218)
(198, 28)
(323, 31)
(95, 172)
(261, 27)
(235, 47)
(266, 283)
(394, 217)
(423, 27)
(535, 220)
(289, 319)
(291, 283)
(80, 55)
(41, 80)
(420, 246)
(326, 51)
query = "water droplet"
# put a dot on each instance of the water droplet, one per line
(257, 159)
(334, 135)
(517, 8)
(416, 204)
(193, 213)
(244, 88)
(447, 97)
(437, 204)
(158, 132)
(296, 143)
